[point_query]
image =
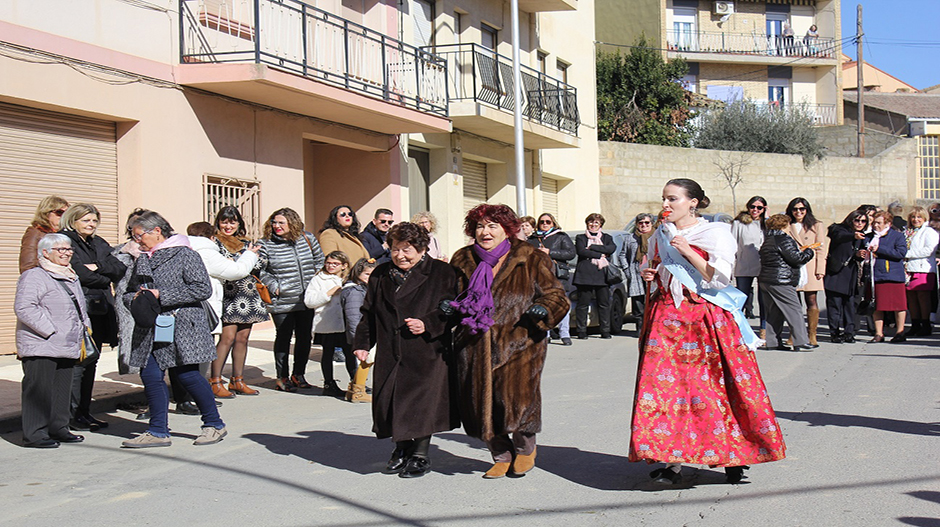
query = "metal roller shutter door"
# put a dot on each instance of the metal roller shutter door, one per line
(474, 184)
(43, 153)
(423, 16)
(550, 196)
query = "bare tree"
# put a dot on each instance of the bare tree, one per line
(731, 168)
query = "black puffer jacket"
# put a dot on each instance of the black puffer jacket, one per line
(781, 258)
(560, 250)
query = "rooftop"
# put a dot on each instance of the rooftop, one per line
(912, 105)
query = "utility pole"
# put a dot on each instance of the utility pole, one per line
(860, 68)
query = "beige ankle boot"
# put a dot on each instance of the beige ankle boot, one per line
(812, 319)
(357, 394)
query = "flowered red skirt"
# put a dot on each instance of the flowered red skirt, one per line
(699, 396)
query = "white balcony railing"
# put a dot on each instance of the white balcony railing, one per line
(756, 43)
(302, 39)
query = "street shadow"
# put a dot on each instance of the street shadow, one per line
(356, 453)
(878, 423)
(927, 495)
(924, 357)
(920, 521)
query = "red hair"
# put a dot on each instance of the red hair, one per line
(501, 214)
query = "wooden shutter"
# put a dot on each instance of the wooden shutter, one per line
(474, 184)
(43, 153)
(550, 196)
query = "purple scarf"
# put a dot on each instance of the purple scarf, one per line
(477, 301)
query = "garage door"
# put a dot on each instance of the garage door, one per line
(43, 153)
(474, 184)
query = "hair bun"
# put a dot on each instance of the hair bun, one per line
(704, 202)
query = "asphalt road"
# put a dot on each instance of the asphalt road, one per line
(860, 421)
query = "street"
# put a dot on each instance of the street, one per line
(860, 421)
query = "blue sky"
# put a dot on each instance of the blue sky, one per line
(903, 37)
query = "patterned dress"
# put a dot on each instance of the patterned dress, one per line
(241, 303)
(699, 396)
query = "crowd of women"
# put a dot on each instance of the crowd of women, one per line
(458, 341)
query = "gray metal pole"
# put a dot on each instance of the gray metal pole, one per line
(517, 113)
(860, 70)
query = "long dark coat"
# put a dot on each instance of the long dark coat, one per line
(95, 250)
(181, 277)
(411, 386)
(586, 273)
(842, 262)
(499, 372)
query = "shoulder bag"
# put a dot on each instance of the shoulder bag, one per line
(263, 291)
(90, 351)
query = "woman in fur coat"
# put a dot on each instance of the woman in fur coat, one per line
(510, 299)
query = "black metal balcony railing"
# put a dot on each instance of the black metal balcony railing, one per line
(756, 43)
(479, 74)
(297, 37)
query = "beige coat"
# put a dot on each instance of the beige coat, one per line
(818, 264)
(332, 240)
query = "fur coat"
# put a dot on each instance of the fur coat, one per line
(499, 372)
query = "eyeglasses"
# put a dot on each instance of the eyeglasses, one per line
(137, 237)
(644, 222)
(345, 214)
(386, 222)
(797, 209)
(333, 264)
(62, 250)
(757, 207)
(546, 221)
(595, 222)
(59, 212)
(278, 223)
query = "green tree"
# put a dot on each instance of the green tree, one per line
(746, 126)
(639, 98)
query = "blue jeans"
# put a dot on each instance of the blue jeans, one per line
(158, 397)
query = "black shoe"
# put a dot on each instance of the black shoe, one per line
(582, 335)
(837, 338)
(218, 403)
(605, 335)
(43, 443)
(553, 334)
(187, 408)
(848, 338)
(810, 346)
(666, 476)
(415, 468)
(70, 438)
(396, 463)
(783, 347)
(749, 314)
(331, 389)
(82, 424)
(876, 339)
(807, 347)
(735, 474)
(99, 422)
(143, 416)
(566, 341)
(899, 338)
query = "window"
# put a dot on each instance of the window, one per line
(683, 29)
(689, 83)
(458, 26)
(778, 92)
(563, 71)
(543, 62)
(775, 41)
(221, 191)
(488, 36)
(928, 166)
(423, 16)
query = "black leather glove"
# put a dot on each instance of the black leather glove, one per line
(536, 312)
(447, 308)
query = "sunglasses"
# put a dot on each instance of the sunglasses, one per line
(795, 209)
(757, 207)
(345, 214)
(860, 220)
(646, 222)
(59, 212)
(545, 221)
(386, 222)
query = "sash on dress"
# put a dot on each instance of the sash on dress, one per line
(728, 298)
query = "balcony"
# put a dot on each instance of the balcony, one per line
(537, 6)
(821, 114)
(480, 84)
(755, 47)
(290, 55)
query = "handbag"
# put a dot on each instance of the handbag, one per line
(211, 316)
(562, 272)
(96, 303)
(164, 328)
(263, 291)
(89, 351)
(612, 274)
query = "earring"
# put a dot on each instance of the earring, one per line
(693, 211)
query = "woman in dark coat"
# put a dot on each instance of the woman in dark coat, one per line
(170, 279)
(841, 280)
(551, 240)
(780, 261)
(401, 315)
(97, 268)
(594, 249)
(510, 299)
(886, 248)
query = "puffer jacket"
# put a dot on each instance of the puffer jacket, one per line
(47, 323)
(781, 258)
(291, 266)
(328, 310)
(560, 250)
(352, 296)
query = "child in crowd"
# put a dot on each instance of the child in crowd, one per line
(322, 295)
(353, 295)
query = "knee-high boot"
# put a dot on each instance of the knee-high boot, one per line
(812, 318)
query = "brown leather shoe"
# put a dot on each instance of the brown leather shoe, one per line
(498, 470)
(237, 385)
(523, 463)
(218, 389)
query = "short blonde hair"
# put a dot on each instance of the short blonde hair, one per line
(426, 214)
(920, 212)
(47, 205)
(77, 212)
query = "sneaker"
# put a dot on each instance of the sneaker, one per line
(146, 440)
(566, 341)
(210, 436)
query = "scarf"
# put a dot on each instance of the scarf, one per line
(477, 301)
(65, 271)
(399, 275)
(231, 243)
(643, 246)
(177, 240)
(132, 248)
(596, 239)
(876, 240)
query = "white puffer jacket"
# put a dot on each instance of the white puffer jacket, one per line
(920, 255)
(328, 310)
(221, 269)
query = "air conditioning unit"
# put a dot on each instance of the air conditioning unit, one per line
(721, 7)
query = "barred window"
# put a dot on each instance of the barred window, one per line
(221, 191)
(928, 167)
